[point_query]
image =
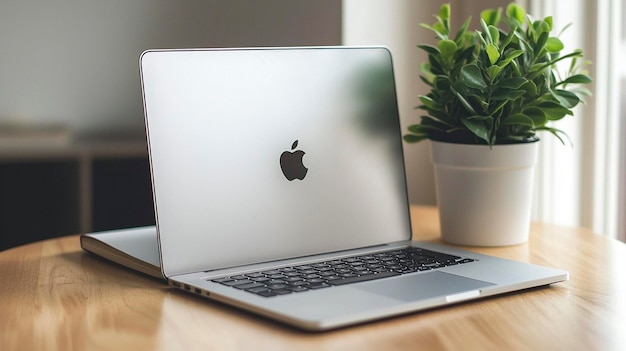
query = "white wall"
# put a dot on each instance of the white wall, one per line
(75, 62)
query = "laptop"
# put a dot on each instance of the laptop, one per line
(279, 188)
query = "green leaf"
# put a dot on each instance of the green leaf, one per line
(537, 116)
(512, 83)
(443, 83)
(429, 49)
(506, 94)
(444, 11)
(412, 138)
(494, 71)
(541, 43)
(473, 78)
(440, 30)
(465, 55)
(435, 65)
(537, 67)
(478, 101)
(428, 102)
(567, 98)
(491, 16)
(507, 40)
(553, 110)
(515, 12)
(433, 121)
(447, 48)
(495, 34)
(510, 56)
(557, 133)
(576, 79)
(554, 45)
(421, 129)
(437, 28)
(479, 126)
(493, 53)
(464, 102)
(499, 106)
(541, 27)
(460, 35)
(548, 20)
(530, 87)
(486, 35)
(517, 119)
(436, 116)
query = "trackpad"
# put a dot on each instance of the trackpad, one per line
(422, 286)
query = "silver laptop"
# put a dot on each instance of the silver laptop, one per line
(279, 188)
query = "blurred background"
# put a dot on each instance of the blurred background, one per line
(72, 146)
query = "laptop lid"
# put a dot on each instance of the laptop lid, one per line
(263, 154)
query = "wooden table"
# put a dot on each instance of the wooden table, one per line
(54, 296)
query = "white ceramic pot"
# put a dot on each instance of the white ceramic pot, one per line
(484, 194)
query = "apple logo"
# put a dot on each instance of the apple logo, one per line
(291, 163)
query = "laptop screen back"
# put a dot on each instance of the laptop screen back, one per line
(266, 154)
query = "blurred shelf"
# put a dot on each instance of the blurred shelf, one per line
(34, 150)
(74, 187)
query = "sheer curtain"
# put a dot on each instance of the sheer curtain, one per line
(580, 185)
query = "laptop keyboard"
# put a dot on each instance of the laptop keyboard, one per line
(306, 277)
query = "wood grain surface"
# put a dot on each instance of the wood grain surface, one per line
(53, 296)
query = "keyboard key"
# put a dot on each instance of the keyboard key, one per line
(319, 286)
(255, 275)
(293, 274)
(320, 265)
(324, 269)
(277, 286)
(261, 279)
(294, 279)
(348, 275)
(249, 286)
(363, 278)
(332, 277)
(267, 293)
(301, 283)
(258, 289)
(275, 281)
(282, 291)
(274, 271)
(238, 282)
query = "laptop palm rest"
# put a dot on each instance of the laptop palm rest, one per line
(416, 287)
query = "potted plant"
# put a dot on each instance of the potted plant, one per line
(491, 91)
